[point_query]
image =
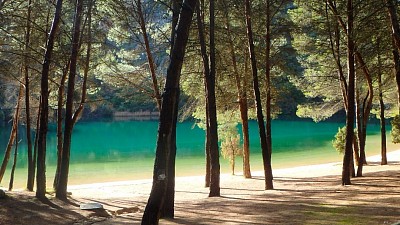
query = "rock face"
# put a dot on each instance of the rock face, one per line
(2, 194)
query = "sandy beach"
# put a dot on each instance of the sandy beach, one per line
(302, 195)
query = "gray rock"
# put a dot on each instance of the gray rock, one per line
(2, 194)
(91, 205)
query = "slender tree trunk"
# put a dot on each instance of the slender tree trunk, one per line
(86, 68)
(31, 175)
(350, 97)
(381, 107)
(207, 153)
(206, 70)
(334, 40)
(242, 97)
(212, 111)
(36, 145)
(260, 117)
(394, 22)
(60, 107)
(61, 190)
(168, 208)
(359, 125)
(268, 85)
(366, 109)
(13, 133)
(352, 169)
(356, 150)
(150, 59)
(44, 93)
(168, 116)
(11, 184)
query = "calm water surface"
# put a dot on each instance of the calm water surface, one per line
(124, 150)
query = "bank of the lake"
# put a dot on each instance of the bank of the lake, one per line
(105, 151)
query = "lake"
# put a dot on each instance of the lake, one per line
(124, 150)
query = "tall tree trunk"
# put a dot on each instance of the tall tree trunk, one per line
(168, 208)
(242, 97)
(60, 107)
(44, 93)
(350, 97)
(206, 70)
(268, 85)
(61, 190)
(212, 111)
(168, 116)
(31, 174)
(36, 142)
(360, 128)
(382, 123)
(11, 184)
(149, 55)
(381, 109)
(13, 133)
(366, 109)
(260, 117)
(86, 68)
(334, 40)
(207, 153)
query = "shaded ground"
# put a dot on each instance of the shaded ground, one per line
(373, 199)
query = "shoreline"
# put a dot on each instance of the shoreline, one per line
(141, 188)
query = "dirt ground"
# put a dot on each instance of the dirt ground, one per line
(301, 196)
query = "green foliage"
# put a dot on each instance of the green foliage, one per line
(340, 140)
(339, 143)
(230, 143)
(395, 129)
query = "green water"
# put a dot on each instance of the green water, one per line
(124, 150)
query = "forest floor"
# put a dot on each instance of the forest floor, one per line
(301, 195)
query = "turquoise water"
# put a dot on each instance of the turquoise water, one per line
(122, 150)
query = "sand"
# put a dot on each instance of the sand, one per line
(302, 195)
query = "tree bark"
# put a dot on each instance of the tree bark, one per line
(31, 175)
(366, 109)
(11, 184)
(168, 209)
(13, 133)
(268, 85)
(381, 111)
(149, 55)
(60, 107)
(212, 111)
(350, 97)
(260, 117)
(44, 93)
(206, 70)
(61, 190)
(168, 116)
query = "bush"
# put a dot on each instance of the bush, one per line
(395, 133)
(339, 143)
(230, 144)
(340, 140)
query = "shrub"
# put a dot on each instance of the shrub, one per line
(395, 133)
